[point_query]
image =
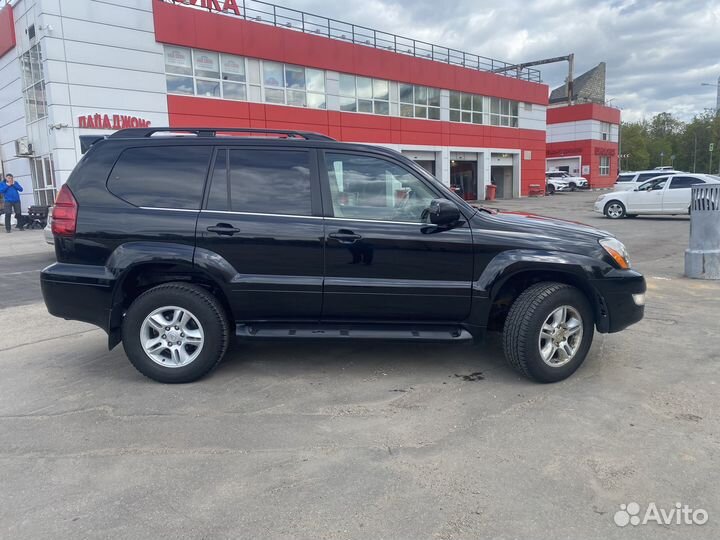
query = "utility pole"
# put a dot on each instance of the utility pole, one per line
(695, 154)
(712, 146)
(717, 99)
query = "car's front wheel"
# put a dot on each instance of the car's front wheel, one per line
(615, 210)
(548, 331)
(573, 186)
(175, 333)
(550, 189)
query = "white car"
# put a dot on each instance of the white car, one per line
(47, 231)
(575, 182)
(630, 180)
(556, 184)
(666, 194)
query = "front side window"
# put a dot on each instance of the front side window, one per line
(604, 165)
(367, 187)
(161, 176)
(654, 184)
(261, 181)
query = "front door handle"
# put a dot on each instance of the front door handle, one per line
(223, 229)
(345, 236)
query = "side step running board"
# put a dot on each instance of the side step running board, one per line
(352, 331)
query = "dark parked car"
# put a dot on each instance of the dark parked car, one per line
(174, 240)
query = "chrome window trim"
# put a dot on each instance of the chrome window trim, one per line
(169, 209)
(232, 212)
(378, 221)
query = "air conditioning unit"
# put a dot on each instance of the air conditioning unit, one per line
(23, 147)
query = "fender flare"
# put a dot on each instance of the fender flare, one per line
(578, 269)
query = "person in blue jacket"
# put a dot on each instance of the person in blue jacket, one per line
(11, 190)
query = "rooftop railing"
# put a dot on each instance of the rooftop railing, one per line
(293, 19)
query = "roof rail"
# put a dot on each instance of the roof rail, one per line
(212, 132)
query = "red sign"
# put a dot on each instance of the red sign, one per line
(604, 151)
(116, 121)
(210, 5)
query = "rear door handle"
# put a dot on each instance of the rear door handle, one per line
(345, 236)
(223, 229)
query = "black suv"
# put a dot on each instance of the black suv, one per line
(172, 240)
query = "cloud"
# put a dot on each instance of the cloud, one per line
(657, 53)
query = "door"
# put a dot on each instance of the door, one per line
(648, 197)
(676, 198)
(262, 215)
(383, 261)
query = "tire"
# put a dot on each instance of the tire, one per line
(522, 335)
(573, 187)
(615, 210)
(197, 312)
(632, 216)
(550, 189)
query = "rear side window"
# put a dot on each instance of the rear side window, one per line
(261, 181)
(625, 178)
(680, 182)
(161, 176)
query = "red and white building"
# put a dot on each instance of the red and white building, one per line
(583, 140)
(93, 66)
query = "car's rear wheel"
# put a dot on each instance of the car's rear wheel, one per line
(548, 331)
(175, 333)
(615, 210)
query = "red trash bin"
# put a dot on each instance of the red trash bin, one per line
(490, 192)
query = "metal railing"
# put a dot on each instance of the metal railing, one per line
(293, 19)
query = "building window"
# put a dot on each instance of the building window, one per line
(209, 74)
(43, 180)
(285, 84)
(33, 84)
(604, 165)
(605, 131)
(470, 109)
(364, 95)
(419, 101)
(466, 108)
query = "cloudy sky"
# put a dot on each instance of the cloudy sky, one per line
(657, 53)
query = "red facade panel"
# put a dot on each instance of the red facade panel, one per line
(7, 30)
(180, 25)
(583, 111)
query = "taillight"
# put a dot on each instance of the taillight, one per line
(64, 217)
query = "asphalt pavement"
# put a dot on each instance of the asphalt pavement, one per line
(368, 440)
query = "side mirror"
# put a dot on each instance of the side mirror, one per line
(443, 212)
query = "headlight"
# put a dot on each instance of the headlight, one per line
(601, 197)
(616, 249)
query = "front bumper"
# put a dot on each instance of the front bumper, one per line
(599, 206)
(621, 300)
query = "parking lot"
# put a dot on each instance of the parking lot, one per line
(365, 440)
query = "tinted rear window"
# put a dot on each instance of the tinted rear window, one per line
(261, 181)
(161, 176)
(625, 178)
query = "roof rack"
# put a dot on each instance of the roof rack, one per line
(212, 132)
